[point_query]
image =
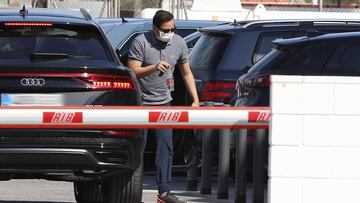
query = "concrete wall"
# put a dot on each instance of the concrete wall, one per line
(314, 140)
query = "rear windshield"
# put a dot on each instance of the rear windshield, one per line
(208, 51)
(78, 43)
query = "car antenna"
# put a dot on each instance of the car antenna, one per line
(23, 12)
(123, 20)
(235, 22)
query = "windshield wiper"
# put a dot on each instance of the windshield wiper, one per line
(56, 56)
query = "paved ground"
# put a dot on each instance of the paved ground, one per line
(179, 187)
(41, 191)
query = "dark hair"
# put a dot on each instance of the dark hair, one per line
(161, 17)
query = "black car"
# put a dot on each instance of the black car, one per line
(329, 55)
(225, 52)
(63, 58)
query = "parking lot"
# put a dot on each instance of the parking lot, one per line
(75, 98)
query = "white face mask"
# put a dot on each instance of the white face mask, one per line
(165, 37)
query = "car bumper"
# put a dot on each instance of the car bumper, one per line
(86, 151)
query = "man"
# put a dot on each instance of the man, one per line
(153, 57)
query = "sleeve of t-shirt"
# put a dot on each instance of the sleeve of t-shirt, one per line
(184, 53)
(136, 51)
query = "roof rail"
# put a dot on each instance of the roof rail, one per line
(86, 14)
(240, 23)
(299, 23)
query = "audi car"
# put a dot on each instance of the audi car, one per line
(62, 58)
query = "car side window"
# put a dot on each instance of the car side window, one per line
(344, 59)
(125, 47)
(310, 58)
(334, 62)
(264, 44)
(350, 59)
(190, 44)
(123, 51)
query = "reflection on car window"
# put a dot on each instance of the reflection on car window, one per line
(185, 32)
(208, 51)
(309, 58)
(351, 59)
(264, 45)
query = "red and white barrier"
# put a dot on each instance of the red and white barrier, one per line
(101, 117)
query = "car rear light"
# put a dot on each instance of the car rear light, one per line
(257, 81)
(28, 24)
(122, 133)
(122, 85)
(112, 83)
(218, 91)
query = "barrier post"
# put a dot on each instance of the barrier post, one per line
(192, 169)
(259, 162)
(224, 164)
(240, 175)
(207, 152)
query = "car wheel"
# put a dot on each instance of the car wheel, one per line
(125, 187)
(88, 192)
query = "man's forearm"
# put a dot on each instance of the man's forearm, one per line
(144, 71)
(147, 70)
(191, 87)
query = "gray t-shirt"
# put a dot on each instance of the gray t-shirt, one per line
(156, 89)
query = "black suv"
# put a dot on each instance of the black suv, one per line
(226, 52)
(62, 58)
(331, 55)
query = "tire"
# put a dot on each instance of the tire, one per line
(88, 192)
(125, 187)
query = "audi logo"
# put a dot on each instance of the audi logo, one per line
(32, 82)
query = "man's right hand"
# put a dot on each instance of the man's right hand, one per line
(162, 66)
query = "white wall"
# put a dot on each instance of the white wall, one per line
(314, 140)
